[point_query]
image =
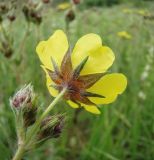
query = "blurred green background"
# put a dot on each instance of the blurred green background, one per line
(125, 129)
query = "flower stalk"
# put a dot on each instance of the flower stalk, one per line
(19, 154)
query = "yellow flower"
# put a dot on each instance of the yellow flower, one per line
(64, 6)
(82, 71)
(124, 34)
(127, 10)
(143, 12)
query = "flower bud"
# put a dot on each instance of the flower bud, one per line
(22, 97)
(70, 16)
(76, 1)
(25, 10)
(57, 130)
(8, 52)
(32, 14)
(3, 8)
(1, 19)
(29, 114)
(51, 127)
(6, 49)
(45, 1)
(38, 19)
(11, 17)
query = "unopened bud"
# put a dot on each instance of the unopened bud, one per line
(33, 14)
(35, 17)
(38, 19)
(45, 1)
(3, 8)
(22, 97)
(57, 130)
(70, 16)
(76, 1)
(51, 127)
(1, 19)
(29, 114)
(7, 49)
(25, 10)
(8, 52)
(11, 17)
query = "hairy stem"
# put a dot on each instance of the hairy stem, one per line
(19, 153)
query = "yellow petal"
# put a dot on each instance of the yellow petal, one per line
(64, 6)
(124, 34)
(84, 46)
(100, 57)
(56, 47)
(99, 61)
(91, 108)
(49, 82)
(72, 104)
(109, 86)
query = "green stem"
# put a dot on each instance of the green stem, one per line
(19, 153)
(50, 107)
(45, 113)
(3, 31)
(19, 55)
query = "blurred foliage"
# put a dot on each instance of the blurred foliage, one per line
(113, 2)
(125, 129)
(101, 2)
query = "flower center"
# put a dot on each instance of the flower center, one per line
(76, 84)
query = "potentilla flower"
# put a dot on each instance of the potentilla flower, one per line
(82, 71)
(64, 6)
(124, 34)
(142, 12)
(127, 10)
